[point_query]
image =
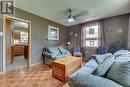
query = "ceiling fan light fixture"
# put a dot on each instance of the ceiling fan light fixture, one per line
(70, 18)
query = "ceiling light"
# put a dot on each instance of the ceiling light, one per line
(70, 18)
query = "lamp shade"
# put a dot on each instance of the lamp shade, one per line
(68, 43)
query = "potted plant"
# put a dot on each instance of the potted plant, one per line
(115, 46)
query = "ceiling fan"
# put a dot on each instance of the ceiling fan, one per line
(72, 17)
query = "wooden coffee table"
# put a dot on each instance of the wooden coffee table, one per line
(62, 68)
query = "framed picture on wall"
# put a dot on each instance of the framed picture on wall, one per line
(53, 33)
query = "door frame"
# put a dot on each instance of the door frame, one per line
(4, 40)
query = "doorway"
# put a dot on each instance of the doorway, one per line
(16, 43)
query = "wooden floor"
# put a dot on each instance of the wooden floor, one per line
(37, 76)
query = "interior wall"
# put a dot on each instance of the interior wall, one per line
(39, 31)
(118, 25)
(72, 31)
(1, 45)
(116, 29)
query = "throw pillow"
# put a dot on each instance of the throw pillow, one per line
(120, 72)
(54, 51)
(104, 67)
(62, 50)
(101, 58)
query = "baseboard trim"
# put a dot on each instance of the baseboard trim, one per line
(36, 63)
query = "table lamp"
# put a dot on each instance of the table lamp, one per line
(68, 44)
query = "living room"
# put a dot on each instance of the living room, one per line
(70, 43)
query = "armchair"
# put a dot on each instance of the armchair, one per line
(77, 51)
(102, 50)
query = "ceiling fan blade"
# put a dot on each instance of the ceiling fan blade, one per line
(83, 13)
(70, 10)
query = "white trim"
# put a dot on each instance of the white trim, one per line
(4, 46)
(13, 17)
(4, 40)
(29, 44)
(36, 63)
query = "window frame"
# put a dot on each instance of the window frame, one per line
(92, 38)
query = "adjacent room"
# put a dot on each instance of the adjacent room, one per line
(65, 43)
(16, 44)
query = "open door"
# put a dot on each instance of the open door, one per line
(9, 41)
(17, 43)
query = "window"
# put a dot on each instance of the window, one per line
(24, 37)
(90, 35)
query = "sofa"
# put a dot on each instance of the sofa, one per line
(52, 53)
(105, 71)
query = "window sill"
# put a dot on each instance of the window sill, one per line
(90, 47)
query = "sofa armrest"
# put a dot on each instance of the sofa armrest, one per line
(47, 54)
(90, 80)
(92, 64)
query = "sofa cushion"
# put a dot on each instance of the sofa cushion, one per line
(54, 54)
(101, 58)
(120, 72)
(92, 64)
(123, 58)
(104, 67)
(48, 48)
(51, 48)
(89, 80)
(121, 52)
(77, 53)
(85, 70)
(62, 50)
(62, 55)
(54, 51)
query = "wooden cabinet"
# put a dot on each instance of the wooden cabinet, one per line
(18, 50)
(26, 51)
(64, 67)
(16, 35)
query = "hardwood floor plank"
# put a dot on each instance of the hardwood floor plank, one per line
(36, 76)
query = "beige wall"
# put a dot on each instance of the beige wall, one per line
(75, 29)
(115, 23)
(39, 33)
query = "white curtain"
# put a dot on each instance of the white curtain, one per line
(101, 33)
(128, 43)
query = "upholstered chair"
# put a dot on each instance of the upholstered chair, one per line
(102, 50)
(77, 51)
